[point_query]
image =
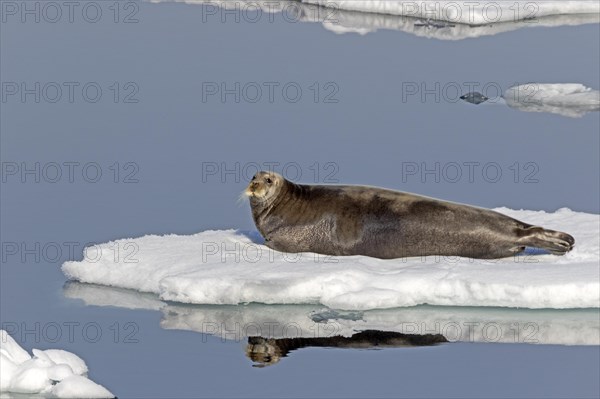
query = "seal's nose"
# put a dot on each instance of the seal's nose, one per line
(253, 186)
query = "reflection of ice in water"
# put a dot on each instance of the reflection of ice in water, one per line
(363, 17)
(565, 327)
(572, 100)
(330, 314)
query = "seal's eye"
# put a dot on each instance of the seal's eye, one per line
(269, 181)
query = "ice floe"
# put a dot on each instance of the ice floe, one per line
(231, 267)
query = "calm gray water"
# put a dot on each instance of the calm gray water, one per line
(154, 123)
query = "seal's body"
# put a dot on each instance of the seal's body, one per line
(381, 223)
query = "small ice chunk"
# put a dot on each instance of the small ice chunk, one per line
(79, 387)
(7, 370)
(60, 356)
(21, 373)
(11, 349)
(31, 377)
(59, 372)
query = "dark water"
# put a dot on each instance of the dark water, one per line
(157, 152)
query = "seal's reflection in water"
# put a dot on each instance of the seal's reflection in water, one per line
(269, 351)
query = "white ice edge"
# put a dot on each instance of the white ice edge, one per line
(229, 268)
(362, 20)
(52, 373)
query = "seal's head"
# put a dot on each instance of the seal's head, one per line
(265, 186)
(264, 351)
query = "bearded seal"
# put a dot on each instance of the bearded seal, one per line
(362, 220)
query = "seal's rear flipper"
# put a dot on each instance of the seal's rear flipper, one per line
(556, 242)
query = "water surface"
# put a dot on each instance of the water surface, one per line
(157, 136)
